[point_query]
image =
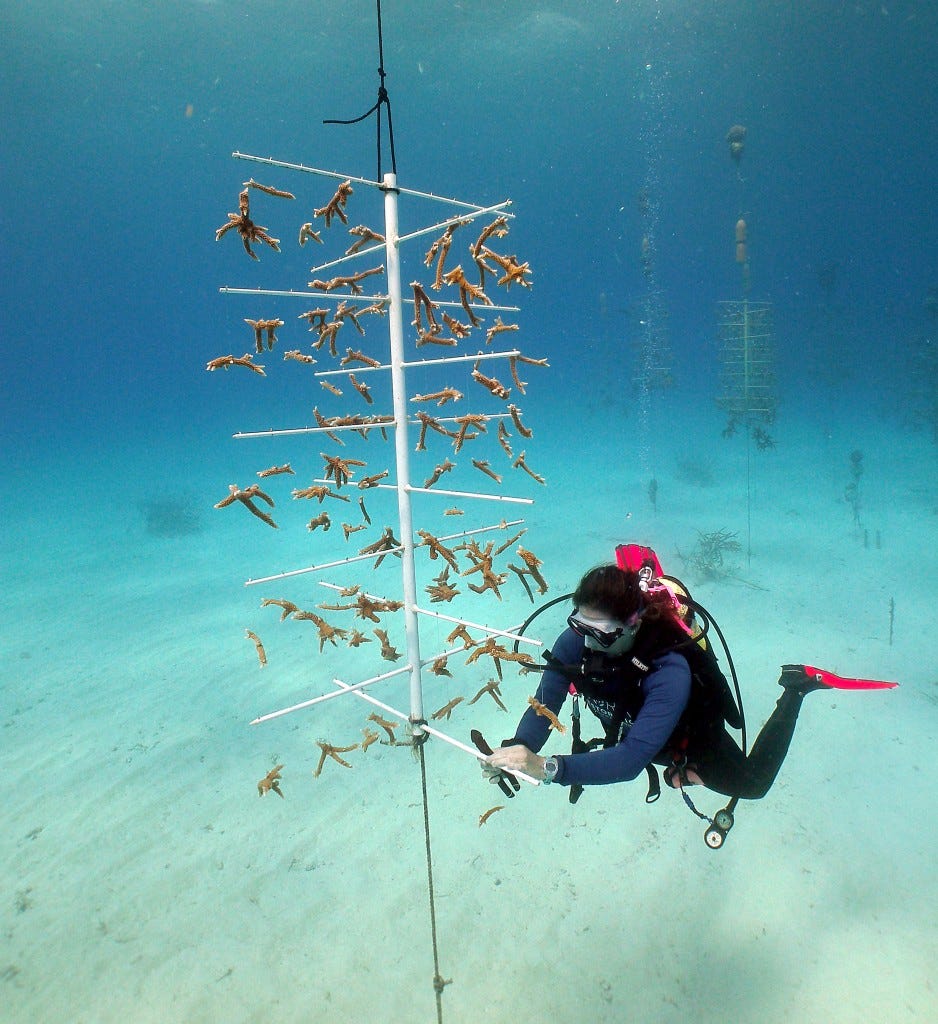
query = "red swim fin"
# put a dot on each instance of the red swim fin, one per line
(842, 683)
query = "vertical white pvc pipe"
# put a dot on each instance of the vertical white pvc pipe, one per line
(402, 444)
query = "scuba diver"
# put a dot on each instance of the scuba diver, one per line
(636, 652)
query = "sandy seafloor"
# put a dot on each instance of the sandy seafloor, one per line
(144, 880)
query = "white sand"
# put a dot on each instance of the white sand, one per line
(144, 880)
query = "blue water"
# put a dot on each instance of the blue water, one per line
(136, 850)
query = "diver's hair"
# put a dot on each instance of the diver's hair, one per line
(617, 592)
(611, 590)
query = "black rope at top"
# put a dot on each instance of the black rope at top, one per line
(383, 101)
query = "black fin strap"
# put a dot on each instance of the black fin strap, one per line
(577, 746)
(654, 785)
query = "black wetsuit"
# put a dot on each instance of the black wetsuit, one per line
(675, 711)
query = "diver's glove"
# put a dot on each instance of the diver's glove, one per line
(508, 784)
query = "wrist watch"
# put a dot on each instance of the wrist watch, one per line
(551, 767)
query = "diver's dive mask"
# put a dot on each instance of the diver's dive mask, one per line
(611, 637)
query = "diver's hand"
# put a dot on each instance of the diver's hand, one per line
(508, 784)
(494, 775)
(517, 758)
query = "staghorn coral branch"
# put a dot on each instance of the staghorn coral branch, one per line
(276, 471)
(439, 251)
(498, 328)
(299, 357)
(269, 189)
(520, 463)
(350, 281)
(247, 360)
(516, 419)
(364, 236)
(261, 653)
(424, 305)
(493, 386)
(262, 326)
(307, 233)
(467, 292)
(353, 356)
(483, 466)
(440, 397)
(246, 497)
(444, 467)
(246, 228)
(336, 205)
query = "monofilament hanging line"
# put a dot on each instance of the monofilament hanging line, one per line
(382, 101)
(439, 982)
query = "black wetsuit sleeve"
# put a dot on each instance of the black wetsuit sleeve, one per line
(552, 692)
(667, 691)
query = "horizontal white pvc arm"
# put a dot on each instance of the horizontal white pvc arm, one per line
(330, 696)
(430, 730)
(509, 633)
(339, 587)
(450, 653)
(476, 625)
(432, 229)
(294, 293)
(378, 247)
(316, 568)
(467, 494)
(457, 419)
(443, 225)
(483, 529)
(480, 306)
(475, 753)
(357, 689)
(270, 162)
(287, 431)
(479, 356)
